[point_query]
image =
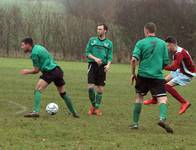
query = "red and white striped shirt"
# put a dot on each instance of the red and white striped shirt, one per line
(182, 61)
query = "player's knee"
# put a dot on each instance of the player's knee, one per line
(91, 89)
(63, 94)
(61, 89)
(90, 86)
(100, 89)
(39, 88)
(139, 98)
(162, 100)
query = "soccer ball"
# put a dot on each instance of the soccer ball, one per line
(52, 108)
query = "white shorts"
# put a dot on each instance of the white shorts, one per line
(180, 78)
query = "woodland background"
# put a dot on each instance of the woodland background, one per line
(64, 26)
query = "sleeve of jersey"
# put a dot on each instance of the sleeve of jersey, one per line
(137, 51)
(110, 54)
(88, 48)
(176, 63)
(166, 57)
(35, 60)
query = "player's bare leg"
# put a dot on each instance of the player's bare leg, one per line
(92, 97)
(67, 100)
(137, 111)
(40, 87)
(168, 78)
(163, 114)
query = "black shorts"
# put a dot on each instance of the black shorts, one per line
(96, 74)
(55, 75)
(155, 86)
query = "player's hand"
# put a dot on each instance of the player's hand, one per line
(98, 61)
(133, 78)
(24, 72)
(106, 68)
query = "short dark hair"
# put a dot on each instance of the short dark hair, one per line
(104, 26)
(151, 27)
(28, 40)
(171, 39)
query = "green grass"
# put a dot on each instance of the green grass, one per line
(108, 132)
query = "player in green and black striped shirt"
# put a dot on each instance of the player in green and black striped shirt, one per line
(99, 53)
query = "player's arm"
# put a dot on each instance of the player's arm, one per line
(97, 60)
(35, 70)
(165, 57)
(133, 69)
(134, 59)
(110, 57)
(89, 53)
(175, 64)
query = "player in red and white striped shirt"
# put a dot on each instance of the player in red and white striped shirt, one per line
(182, 71)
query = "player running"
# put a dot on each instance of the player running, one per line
(182, 71)
(99, 52)
(152, 55)
(51, 72)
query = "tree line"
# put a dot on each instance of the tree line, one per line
(64, 26)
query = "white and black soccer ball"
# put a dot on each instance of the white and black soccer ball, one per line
(52, 108)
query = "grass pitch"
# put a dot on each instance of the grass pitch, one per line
(108, 132)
